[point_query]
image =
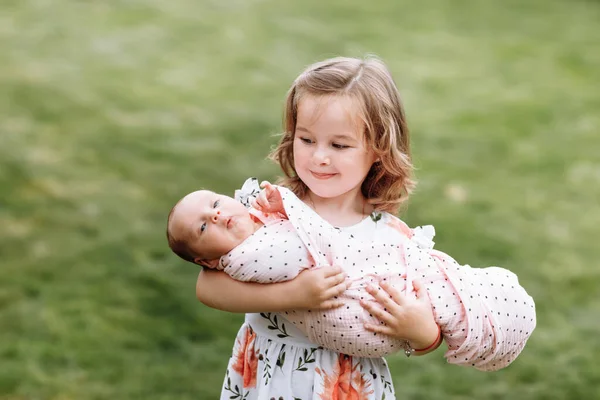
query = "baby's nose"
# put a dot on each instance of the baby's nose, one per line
(216, 216)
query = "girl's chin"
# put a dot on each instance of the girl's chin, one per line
(326, 192)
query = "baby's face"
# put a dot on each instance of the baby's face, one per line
(213, 224)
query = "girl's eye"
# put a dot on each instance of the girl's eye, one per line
(340, 146)
(216, 204)
(305, 140)
(203, 227)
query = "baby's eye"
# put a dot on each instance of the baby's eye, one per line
(203, 227)
(216, 204)
(340, 146)
(306, 140)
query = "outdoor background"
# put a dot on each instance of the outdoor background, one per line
(111, 110)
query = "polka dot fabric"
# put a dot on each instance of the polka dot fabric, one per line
(485, 315)
(274, 253)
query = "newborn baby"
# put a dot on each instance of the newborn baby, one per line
(217, 231)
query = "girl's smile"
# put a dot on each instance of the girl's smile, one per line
(322, 176)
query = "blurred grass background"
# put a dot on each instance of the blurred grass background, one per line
(111, 111)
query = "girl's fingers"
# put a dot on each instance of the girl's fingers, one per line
(378, 312)
(395, 294)
(380, 296)
(330, 304)
(383, 297)
(335, 279)
(329, 271)
(336, 290)
(383, 329)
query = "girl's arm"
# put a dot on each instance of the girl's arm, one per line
(312, 289)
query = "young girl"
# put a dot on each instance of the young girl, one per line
(345, 152)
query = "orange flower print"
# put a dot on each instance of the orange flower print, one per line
(400, 227)
(246, 363)
(345, 382)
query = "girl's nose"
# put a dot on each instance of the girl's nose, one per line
(216, 215)
(321, 157)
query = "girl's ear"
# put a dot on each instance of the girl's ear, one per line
(212, 264)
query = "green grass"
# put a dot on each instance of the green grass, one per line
(110, 111)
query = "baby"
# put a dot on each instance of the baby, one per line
(217, 231)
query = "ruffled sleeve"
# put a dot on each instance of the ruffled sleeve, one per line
(485, 315)
(246, 195)
(248, 192)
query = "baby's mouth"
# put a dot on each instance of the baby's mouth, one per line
(229, 222)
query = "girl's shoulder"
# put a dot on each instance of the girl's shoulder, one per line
(378, 225)
(422, 236)
(391, 222)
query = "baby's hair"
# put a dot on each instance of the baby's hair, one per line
(178, 245)
(369, 83)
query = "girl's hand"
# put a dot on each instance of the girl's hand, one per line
(317, 288)
(404, 318)
(269, 200)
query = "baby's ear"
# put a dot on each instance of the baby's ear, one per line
(212, 264)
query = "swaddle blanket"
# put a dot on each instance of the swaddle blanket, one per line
(485, 315)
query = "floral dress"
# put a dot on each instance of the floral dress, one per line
(272, 359)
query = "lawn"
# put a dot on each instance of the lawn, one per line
(111, 111)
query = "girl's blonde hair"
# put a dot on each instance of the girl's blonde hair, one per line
(370, 85)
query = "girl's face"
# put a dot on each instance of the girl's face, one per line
(330, 153)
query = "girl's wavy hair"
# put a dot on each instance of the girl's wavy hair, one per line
(370, 85)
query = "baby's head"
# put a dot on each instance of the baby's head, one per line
(203, 226)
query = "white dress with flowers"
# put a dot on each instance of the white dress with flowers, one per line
(274, 359)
